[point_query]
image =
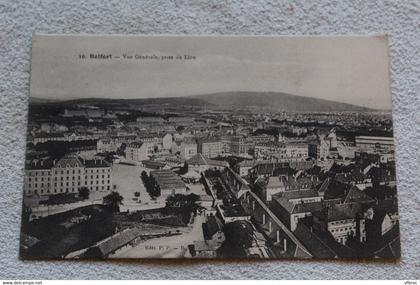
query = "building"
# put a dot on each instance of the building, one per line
(284, 183)
(243, 167)
(370, 143)
(199, 163)
(239, 145)
(150, 120)
(342, 221)
(211, 147)
(113, 244)
(168, 182)
(167, 141)
(181, 121)
(66, 175)
(324, 145)
(281, 151)
(187, 149)
(290, 207)
(106, 146)
(139, 151)
(264, 138)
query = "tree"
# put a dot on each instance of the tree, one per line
(144, 176)
(84, 192)
(113, 201)
(137, 194)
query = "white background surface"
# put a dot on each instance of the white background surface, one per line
(19, 19)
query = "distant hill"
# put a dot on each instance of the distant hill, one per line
(276, 100)
(106, 102)
(35, 100)
(236, 100)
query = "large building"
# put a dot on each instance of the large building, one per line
(187, 149)
(282, 151)
(169, 182)
(67, 175)
(324, 145)
(210, 148)
(368, 143)
(139, 151)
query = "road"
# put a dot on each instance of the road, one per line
(127, 180)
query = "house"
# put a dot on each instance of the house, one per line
(342, 221)
(382, 219)
(355, 177)
(283, 183)
(187, 149)
(317, 246)
(139, 151)
(113, 244)
(292, 206)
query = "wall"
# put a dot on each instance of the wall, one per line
(19, 19)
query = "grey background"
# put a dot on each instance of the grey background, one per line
(19, 19)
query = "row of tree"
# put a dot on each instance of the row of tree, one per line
(151, 185)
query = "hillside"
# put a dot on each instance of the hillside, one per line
(275, 100)
(236, 100)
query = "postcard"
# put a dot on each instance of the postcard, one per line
(210, 147)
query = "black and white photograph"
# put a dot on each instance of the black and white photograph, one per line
(210, 147)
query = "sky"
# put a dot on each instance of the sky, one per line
(352, 70)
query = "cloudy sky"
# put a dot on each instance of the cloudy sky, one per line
(345, 69)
